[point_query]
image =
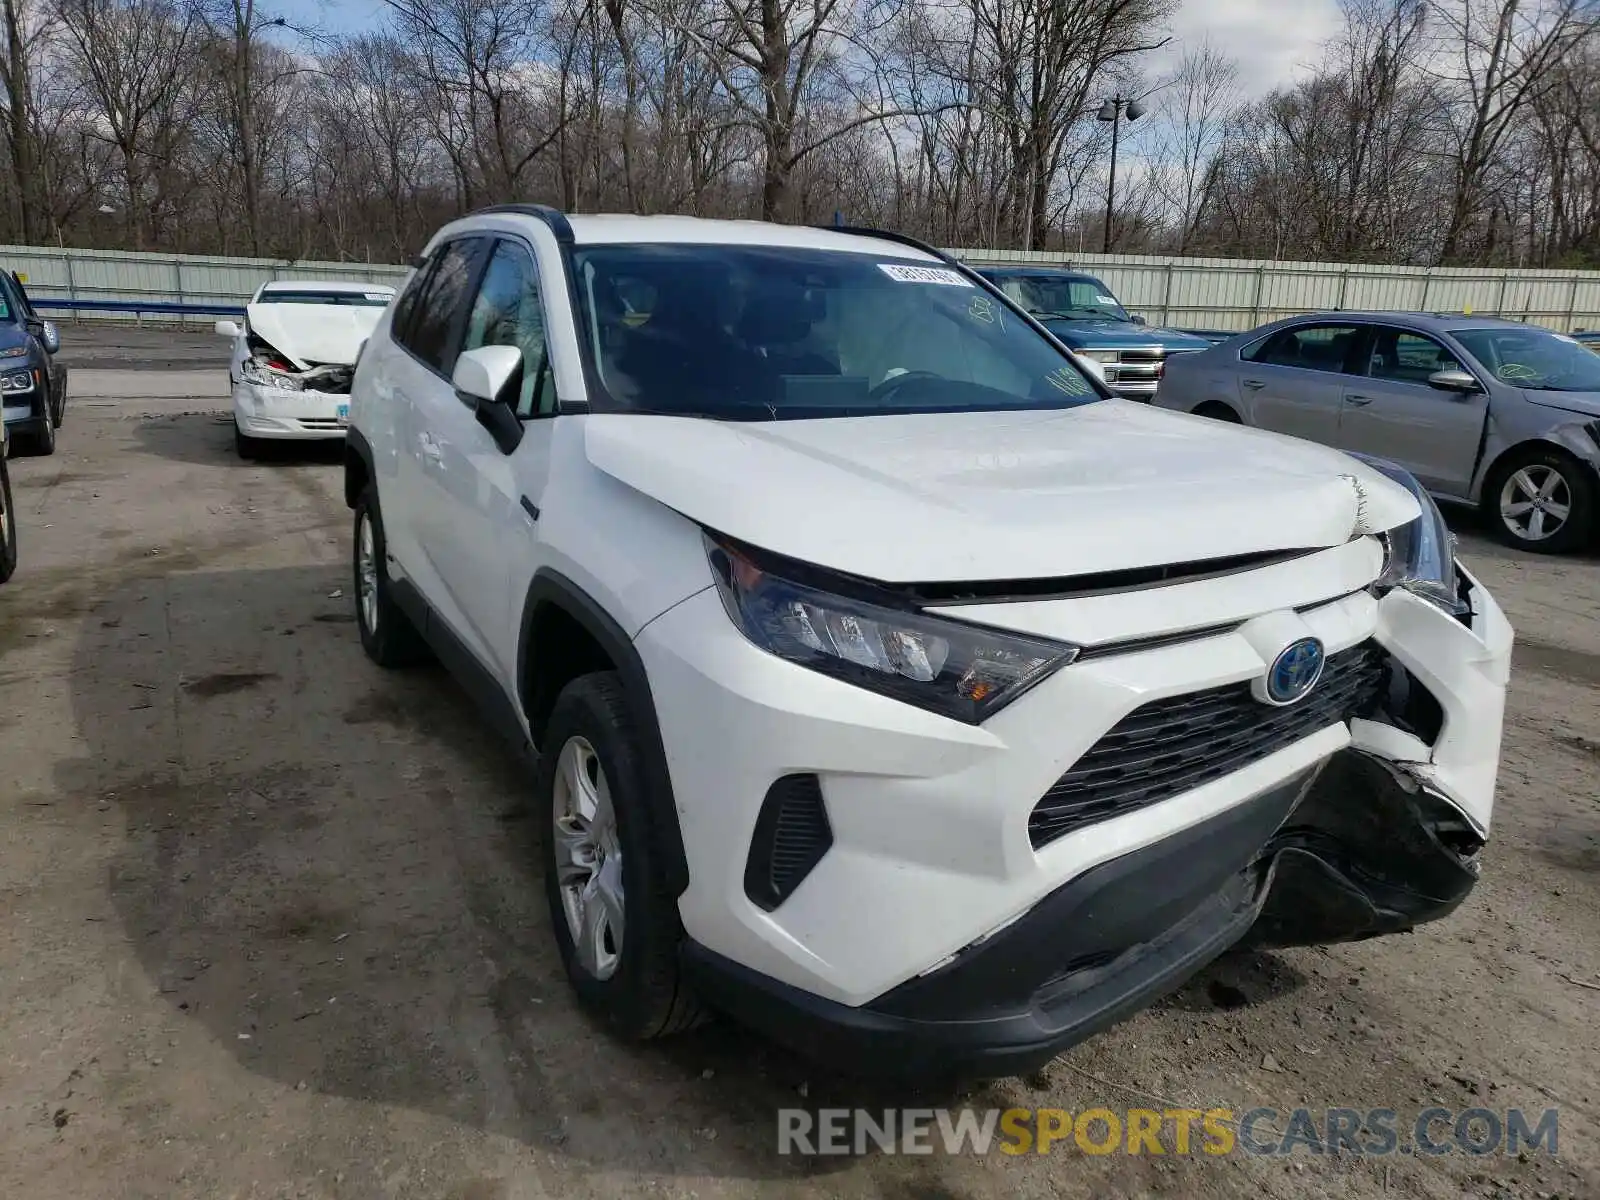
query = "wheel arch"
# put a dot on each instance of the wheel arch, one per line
(1573, 441)
(556, 604)
(358, 466)
(1218, 410)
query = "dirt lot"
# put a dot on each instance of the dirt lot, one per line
(269, 925)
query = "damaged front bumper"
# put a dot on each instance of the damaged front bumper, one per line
(275, 412)
(1388, 836)
(1379, 836)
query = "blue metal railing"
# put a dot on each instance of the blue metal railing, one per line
(139, 307)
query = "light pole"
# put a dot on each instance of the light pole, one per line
(1113, 111)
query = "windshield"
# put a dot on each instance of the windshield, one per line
(770, 332)
(1068, 297)
(311, 296)
(1533, 358)
(5, 308)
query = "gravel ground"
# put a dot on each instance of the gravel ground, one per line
(270, 927)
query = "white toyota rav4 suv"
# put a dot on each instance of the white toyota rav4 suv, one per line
(897, 690)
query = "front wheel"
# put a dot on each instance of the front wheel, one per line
(1541, 499)
(245, 446)
(8, 526)
(615, 920)
(42, 443)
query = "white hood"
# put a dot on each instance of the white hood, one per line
(314, 333)
(954, 497)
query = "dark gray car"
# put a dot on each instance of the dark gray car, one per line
(1482, 411)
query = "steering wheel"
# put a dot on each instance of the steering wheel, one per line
(896, 381)
(1514, 372)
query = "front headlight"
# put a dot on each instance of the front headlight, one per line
(251, 373)
(966, 672)
(1421, 556)
(17, 381)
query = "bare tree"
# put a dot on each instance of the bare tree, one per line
(484, 59)
(1199, 101)
(133, 57)
(26, 30)
(1505, 52)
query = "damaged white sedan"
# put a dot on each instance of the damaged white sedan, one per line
(294, 358)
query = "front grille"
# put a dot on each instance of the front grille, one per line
(1143, 356)
(1174, 745)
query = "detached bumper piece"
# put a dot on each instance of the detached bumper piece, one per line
(1368, 853)
(1349, 852)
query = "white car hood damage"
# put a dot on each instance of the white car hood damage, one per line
(951, 497)
(314, 333)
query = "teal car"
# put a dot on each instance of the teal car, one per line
(1089, 320)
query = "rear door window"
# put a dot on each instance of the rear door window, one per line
(1309, 347)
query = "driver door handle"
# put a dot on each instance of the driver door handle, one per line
(1255, 385)
(1351, 398)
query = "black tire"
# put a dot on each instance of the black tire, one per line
(1575, 485)
(247, 448)
(41, 442)
(8, 526)
(58, 411)
(388, 637)
(1218, 412)
(645, 996)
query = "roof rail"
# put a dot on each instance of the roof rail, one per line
(903, 238)
(553, 217)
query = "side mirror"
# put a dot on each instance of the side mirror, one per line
(482, 379)
(229, 329)
(1454, 379)
(1137, 319)
(481, 375)
(50, 336)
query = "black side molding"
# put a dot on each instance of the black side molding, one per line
(475, 679)
(355, 442)
(552, 587)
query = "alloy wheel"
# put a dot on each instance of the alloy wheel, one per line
(588, 858)
(1535, 502)
(367, 571)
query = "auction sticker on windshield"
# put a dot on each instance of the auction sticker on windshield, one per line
(904, 274)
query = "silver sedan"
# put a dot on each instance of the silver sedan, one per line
(1484, 412)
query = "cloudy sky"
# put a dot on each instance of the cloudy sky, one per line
(1271, 39)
